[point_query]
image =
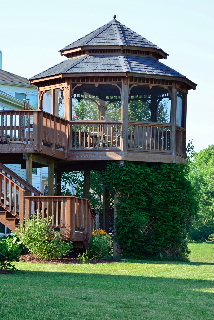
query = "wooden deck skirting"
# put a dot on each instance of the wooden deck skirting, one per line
(35, 131)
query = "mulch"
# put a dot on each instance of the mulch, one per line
(71, 259)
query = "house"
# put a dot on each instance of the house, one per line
(111, 99)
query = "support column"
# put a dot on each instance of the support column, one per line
(173, 120)
(29, 174)
(86, 186)
(68, 100)
(58, 177)
(51, 178)
(124, 112)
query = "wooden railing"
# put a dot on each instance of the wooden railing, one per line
(34, 127)
(96, 135)
(36, 131)
(12, 196)
(147, 136)
(71, 213)
(18, 180)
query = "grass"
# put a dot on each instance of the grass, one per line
(128, 290)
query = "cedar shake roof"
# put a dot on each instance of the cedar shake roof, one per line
(11, 77)
(112, 34)
(110, 64)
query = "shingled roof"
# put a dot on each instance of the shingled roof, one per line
(112, 49)
(11, 77)
(112, 34)
(110, 64)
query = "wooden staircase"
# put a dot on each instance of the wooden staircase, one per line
(70, 215)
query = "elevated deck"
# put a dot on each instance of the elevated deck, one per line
(41, 133)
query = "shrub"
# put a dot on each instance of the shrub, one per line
(100, 245)
(155, 206)
(39, 237)
(10, 250)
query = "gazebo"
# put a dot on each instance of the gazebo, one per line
(111, 99)
(121, 102)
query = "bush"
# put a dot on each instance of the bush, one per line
(39, 237)
(155, 206)
(10, 250)
(100, 245)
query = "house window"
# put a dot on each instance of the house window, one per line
(20, 96)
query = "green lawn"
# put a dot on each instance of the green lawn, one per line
(127, 290)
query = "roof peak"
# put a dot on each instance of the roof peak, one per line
(114, 33)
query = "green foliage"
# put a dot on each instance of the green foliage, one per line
(155, 206)
(10, 250)
(76, 179)
(201, 176)
(100, 245)
(39, 237)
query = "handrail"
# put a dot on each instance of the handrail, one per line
(17, 179)
(12, 196)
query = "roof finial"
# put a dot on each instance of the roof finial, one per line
(114, 16)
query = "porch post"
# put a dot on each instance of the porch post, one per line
(173, 120)
(124, 112)
(68, 100)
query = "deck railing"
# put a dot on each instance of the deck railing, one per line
(35, 130)
(72, 214)
(146, 136)
(96, 135)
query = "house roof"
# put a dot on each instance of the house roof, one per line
(7, 98)
(112, 34)
(11, 77)
(109, 64)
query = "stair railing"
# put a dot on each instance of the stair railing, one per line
(12, 196)
(18, 180)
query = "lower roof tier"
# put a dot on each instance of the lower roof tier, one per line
(110, 64)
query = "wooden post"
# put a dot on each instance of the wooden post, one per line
(37, 131)
(124, 112)
(173, 120)
(58, 177)
(67, 97)
(86, 186)
(53, 102)
(51, 178)
(29, 171)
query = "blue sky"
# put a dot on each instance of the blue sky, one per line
(32, 33)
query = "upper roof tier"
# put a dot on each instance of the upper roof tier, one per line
(113, 34)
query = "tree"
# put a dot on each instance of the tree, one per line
(202, 176)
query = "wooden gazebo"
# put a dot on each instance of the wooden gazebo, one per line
(110, 100)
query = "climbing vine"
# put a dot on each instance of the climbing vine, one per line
(155, 207)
